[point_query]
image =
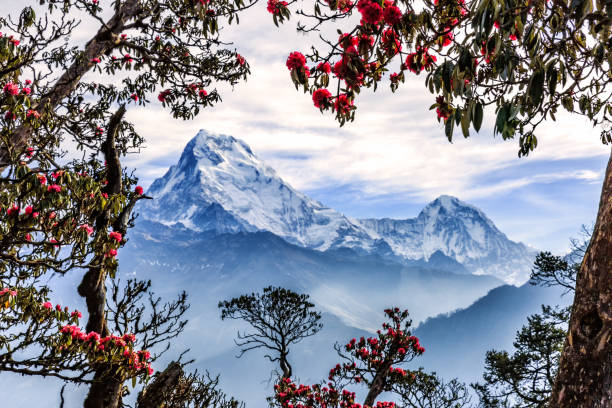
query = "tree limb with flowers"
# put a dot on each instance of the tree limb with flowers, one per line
(524, 60)
(61, 214)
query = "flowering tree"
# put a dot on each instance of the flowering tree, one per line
(524, 59)
(60, 215)
(279, 318)
(374, 362)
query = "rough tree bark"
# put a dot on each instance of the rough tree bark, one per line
(584, 379)
(378, 384)
(284, 365)
(105, 390)
(153, 396)
(103, 42)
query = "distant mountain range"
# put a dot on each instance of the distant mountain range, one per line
(219, 185)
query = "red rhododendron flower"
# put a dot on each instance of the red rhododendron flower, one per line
(111, 253)
(11, 89)
(321, 98)
(42, 179)
(138, 190)
(87, 228)
(296, 60)
(276, 6)
(343, 105)
(347, 40)
(115, 235)
(366, 41)
(95, 60)
(372, 13)
(324, 67)
(14, 210)
(56, 188)
(47, 305)
(422, 54)
(163, 95)
(392, 15)
(31, 113)
(240, 59)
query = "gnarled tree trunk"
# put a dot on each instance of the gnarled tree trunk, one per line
(584, 379)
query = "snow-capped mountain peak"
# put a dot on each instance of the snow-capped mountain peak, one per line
(220, 185)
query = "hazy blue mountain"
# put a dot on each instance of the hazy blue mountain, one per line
(355, 288)
(456, 342)
(220, 185)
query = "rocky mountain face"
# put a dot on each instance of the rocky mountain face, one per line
(220, 185)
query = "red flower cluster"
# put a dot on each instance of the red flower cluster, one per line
(9, 291)
(94, 344)
(11, 89)
(163, 95)
(419, 60)
(88, 229)
(321, 98)
(275, 7)
(31, 113)
(392, 15)
(343, 104)
(115, 235)
(138, 190)
(371, 12)
(324, 67)
(296, 60)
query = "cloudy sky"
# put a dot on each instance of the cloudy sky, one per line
(394, 158)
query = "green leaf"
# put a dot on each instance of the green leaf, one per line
(536, 87)
(465, 123)
(502, 116)
(478, 115)
(448, 129)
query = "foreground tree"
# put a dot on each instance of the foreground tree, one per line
(279, 318)
(374, 363)
(527, 60)
(525, 378)
(61, 215)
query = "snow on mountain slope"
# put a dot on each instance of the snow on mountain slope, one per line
(220, 185)
(460, 231)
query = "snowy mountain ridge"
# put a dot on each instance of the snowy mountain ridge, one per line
(220, 185)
